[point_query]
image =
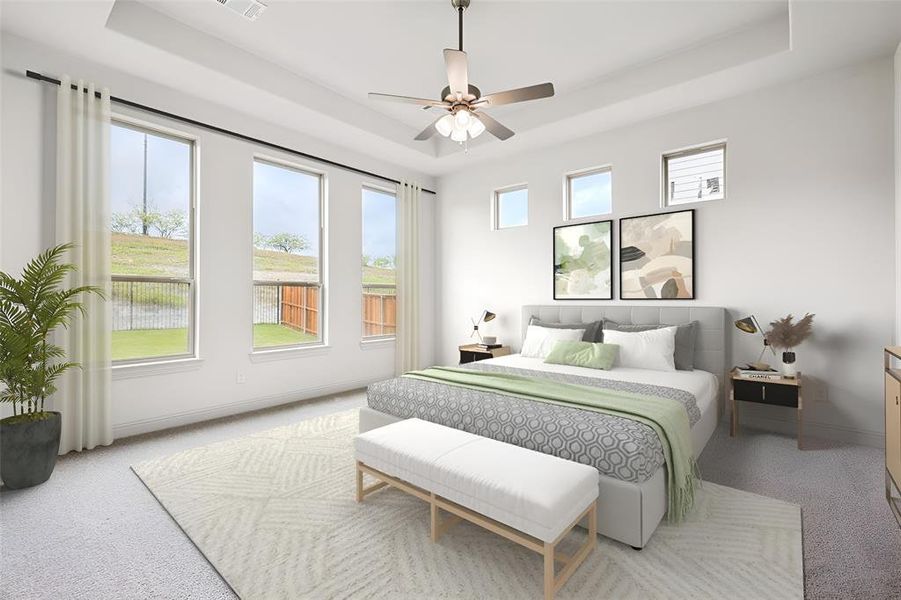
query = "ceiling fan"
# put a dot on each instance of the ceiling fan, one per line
(463, 101)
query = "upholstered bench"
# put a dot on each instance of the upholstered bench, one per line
(530, 498)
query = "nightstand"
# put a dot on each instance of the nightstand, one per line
(776, 392)
(472, 352)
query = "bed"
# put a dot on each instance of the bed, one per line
(628, 455)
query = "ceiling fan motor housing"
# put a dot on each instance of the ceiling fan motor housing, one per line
(474, 94)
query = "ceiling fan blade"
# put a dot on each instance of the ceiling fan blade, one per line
(407, 99)
(533, 92)
(457, 71)
(428, 131)
(493, 127)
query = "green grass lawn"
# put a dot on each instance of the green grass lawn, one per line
(266, 335)
(134, 254)
(150, 343)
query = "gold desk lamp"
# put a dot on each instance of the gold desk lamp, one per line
(750, 325)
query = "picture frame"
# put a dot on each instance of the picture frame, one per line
(657, 256)
(583, 261)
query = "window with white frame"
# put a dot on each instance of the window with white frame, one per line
(589, 193)
(694, 174)
(379, 263)
(152, 244)
(288, 301)
(511, 207)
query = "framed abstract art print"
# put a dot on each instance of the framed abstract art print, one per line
(657, 256)
(583, 261)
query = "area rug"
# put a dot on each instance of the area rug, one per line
(274, 513)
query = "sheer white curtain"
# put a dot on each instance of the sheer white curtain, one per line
(82, 217)
(407, 344)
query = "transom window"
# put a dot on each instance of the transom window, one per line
(695, 174)
(589, 193)
(511, 207)
(379, 263)
(152, 244)
(287, 258)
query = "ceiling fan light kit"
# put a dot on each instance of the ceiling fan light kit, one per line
(464, 102)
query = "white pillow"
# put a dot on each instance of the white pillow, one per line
(653, 349)
(540, 340)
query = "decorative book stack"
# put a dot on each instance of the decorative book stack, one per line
(489, 346)
(758, 374)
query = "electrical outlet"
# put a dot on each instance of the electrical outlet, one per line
(240, 378)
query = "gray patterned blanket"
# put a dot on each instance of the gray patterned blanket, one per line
(617, 446)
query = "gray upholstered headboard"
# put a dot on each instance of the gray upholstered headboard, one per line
(710, 348)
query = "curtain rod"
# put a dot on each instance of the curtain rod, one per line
(228, 132)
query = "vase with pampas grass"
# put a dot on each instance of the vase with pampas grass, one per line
(787, 335)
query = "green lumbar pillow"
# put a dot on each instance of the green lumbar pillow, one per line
(582, 354)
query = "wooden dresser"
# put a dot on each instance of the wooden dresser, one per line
(893, 431)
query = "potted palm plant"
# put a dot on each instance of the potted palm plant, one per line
(31, 308)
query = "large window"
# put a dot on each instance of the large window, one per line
(589, 193)
(695, 174)
(511, 207)
(379, 256)
(152, 204)
(287, 257)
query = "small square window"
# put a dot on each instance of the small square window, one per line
(695, 175)
(511, 207)
(589, 193)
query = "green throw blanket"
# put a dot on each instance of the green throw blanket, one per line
(665, 416)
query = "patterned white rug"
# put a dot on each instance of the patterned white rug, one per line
(274, 513)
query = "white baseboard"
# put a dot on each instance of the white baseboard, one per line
(137, 427)
(827, 431)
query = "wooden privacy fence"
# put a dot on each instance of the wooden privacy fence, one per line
(300, 308)
(296, 305)
(379, 310)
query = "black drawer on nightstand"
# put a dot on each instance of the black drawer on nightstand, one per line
(766, 393)
(467, 357)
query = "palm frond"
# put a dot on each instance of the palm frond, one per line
(31, 307)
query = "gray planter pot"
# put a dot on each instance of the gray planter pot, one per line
(28, 450)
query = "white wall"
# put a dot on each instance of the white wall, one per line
(807, 226)
(146, 401)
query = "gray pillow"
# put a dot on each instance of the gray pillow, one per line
(592, 330)
(684, 357)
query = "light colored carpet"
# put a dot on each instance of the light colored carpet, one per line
(274, 513)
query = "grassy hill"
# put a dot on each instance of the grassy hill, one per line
(135, 254)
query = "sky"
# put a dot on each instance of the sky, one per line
(513, 208)
(284, 200)
(591, 195)
(168, 171)
(379, 224)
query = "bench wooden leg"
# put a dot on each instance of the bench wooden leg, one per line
(362, 492)
(434, 511)
(553, 582)
(549, 579)
(439, 524)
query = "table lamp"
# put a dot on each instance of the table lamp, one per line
(750, 325)
(486, 316)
